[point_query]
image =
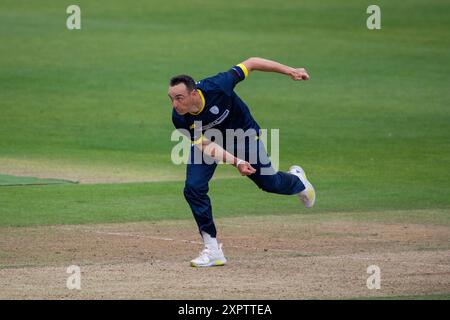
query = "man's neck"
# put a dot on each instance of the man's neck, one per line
(198, 104)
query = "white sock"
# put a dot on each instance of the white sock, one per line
(210, 242)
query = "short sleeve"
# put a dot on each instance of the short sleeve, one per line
(226, 81)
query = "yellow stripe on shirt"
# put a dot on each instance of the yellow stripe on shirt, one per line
(244, 68)
(203, 103)
(199, 140)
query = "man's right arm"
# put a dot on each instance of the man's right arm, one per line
(216, 152)
(261, 64)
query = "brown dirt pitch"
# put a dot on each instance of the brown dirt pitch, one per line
(270, 257)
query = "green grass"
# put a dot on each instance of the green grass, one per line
(80, 204)
(371, 127)
(7, 180)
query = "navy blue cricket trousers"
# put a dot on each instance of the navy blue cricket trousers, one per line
(198, 176)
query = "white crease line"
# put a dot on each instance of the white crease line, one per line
(279, 250)
(342, 257)
(306, 255)
(123, 234)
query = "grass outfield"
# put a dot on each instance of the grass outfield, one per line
(6, 180)
(371, 127)
(80, 204)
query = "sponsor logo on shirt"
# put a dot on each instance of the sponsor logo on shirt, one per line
(219, 120)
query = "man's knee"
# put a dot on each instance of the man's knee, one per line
(194, 190)
(269, 183)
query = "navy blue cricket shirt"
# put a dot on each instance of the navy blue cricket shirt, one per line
(222, 108)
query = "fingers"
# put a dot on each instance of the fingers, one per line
(246, 169)
(300, 74)
(303, 76)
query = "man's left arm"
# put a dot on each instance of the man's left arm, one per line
(261, 64)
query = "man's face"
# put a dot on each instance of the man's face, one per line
(182, 99)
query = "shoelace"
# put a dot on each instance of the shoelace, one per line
(205, 253)
(208, 253)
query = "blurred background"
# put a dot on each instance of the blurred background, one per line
(371, 127)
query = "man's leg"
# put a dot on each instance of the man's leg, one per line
(196, 193)
(279, 182)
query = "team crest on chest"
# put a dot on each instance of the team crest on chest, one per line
(214, 110)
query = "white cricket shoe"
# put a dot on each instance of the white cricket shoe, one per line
(209, 258)
(307, 196)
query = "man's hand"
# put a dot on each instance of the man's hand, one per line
(245, 169)
(216, 152)
(299, 74)
(262, 64)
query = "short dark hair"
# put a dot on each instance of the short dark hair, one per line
(187, 80)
